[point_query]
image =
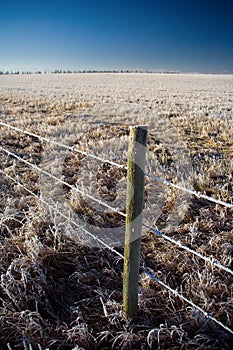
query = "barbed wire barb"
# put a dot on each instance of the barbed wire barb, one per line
(194, 193)
(183, 246)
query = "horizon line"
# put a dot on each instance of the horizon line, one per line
(80, 71)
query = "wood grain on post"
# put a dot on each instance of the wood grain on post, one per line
(134, 211)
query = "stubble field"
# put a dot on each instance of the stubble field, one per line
(59, 288)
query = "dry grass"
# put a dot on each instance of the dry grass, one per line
(62, 293)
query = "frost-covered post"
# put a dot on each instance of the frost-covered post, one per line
(134, 211)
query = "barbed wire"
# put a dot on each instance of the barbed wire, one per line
(70, 148)
(76, 189)
(212, 261)
(166, 237)
(195, 193)
(60, 213)
(150, 274)
(190, 302)
(87, 154)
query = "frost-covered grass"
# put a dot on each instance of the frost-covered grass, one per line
(58, 289)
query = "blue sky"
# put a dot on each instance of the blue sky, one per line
(149, 35)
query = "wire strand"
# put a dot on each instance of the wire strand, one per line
(195, 193)
(166, 182)
(76, 189)
(150, 274)
(183, 246)
(70, 148)
(63, 215)
(190, 302)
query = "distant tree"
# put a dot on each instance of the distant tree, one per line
(57, 71)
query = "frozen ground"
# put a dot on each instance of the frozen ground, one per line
(62, 293)
(165, 93)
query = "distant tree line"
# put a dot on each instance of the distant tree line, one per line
(69, 71)
(61, 71)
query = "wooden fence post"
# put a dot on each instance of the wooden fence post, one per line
(134, 211)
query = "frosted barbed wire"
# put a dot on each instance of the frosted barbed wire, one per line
(183, 246)
(195, 193)
(60, 213)
(150, 274)
(70, 148)
(87, 154)
(190, 302)
(76, 189)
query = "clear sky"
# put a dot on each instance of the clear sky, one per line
(183, 35)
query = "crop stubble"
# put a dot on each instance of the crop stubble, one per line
(59, 292)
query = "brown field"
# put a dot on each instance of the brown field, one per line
(59, 289)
